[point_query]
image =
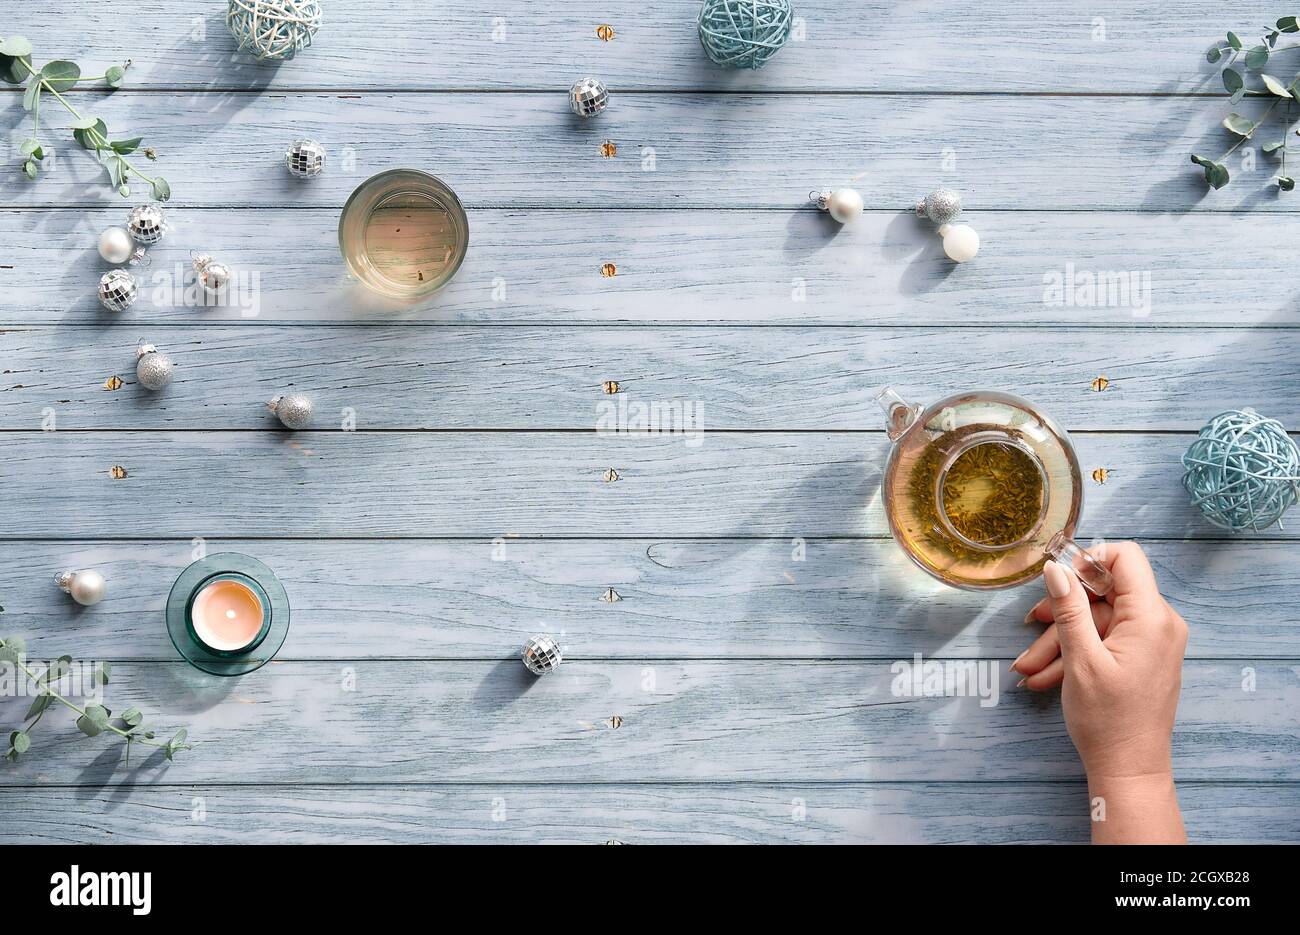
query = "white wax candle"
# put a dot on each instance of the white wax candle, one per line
(227, 615)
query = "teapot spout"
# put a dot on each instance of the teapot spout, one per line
(899, 414)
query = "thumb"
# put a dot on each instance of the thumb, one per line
(1073, 614)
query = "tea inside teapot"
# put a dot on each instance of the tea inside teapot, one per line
(981, 489)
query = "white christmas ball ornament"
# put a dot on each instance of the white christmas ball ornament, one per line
(960, 242)
(85, 587)
(153, 369)
(845, 205)
(294, 411)
(116, 245)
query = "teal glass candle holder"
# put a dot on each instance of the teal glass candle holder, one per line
(227, 614)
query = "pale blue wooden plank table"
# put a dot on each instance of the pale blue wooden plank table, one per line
(730, 610)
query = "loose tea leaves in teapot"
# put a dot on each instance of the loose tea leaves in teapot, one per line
(993, 494)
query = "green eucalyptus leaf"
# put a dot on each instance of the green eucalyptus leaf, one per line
(90, 726)
(31, 95)
(125, 147)
(1232, 80)
(84, 123)
(1257, 57)
(102, 672)
(39, 704)
(1272, 39)
(160, 189)
(1274, 146)
(21, 743)
(1286, 183)
(1216, 173)
(15, 69)
(83, 136)
(124, 190)
(60, 74)
(114, 76)
(15, 645)
(114, 167)
(1242, 126)
(1275, 86)
(132, 716)
(17, 46)
(1214, 54)
(1288, 24)
(1234, 41)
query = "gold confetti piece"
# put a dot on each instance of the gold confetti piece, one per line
(611, 387)
(611, 475)
(117, 472)
(113, 383)
(609, 270)
(1100, 475)
(604, 32)
(1099, 385)
(614, 722)
(609, 149)
(611, 596)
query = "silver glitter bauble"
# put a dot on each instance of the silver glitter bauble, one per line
(118, 290)
(213, 275)
(152, 369)
(294, 411)
(85, 587)
(146, 224)
(588, 97)
(943, 206)
(305, 159)
(541, 654)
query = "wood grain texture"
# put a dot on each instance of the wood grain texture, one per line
(709, 151)
(744, 267)
(1107, 47)
(734, 720)
(721, 599)
(720, 379)
(821, 813)
(488, 484)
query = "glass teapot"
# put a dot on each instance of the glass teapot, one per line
(981, 489)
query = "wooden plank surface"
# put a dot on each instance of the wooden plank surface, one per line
(680, 599)
(820, 813)
(723, 379)
(527, 150)
(681, 721)
(488, 484)
(947, 46)
(747, 267)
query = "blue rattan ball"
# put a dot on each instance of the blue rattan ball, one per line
(1243, 470)
(273, 29)
(744, 33)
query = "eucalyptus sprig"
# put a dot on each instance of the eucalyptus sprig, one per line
(92, 719)
(1254, 59)
(55, 78)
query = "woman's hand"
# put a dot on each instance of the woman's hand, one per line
(1119, 662)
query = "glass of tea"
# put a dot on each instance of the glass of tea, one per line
(981, 489)
(404, 233)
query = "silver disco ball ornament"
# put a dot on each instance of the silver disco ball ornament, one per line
(588, 97)
(118, 290)
(213, 275)
(541, 654)
(152, 369)
(147, 224)
(943, 206)
(293, 411)
(305, 159)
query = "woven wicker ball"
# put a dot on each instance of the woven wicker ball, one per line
(1243, 471)
(273, 30)
(744, 33)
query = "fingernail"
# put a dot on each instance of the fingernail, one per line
(1056, 579)
(1021, 683)
(1030, 618)
(1017, 662)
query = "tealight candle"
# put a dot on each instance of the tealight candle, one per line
(227, 615)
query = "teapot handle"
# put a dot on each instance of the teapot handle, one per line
(899, 414)
(1095, 576)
